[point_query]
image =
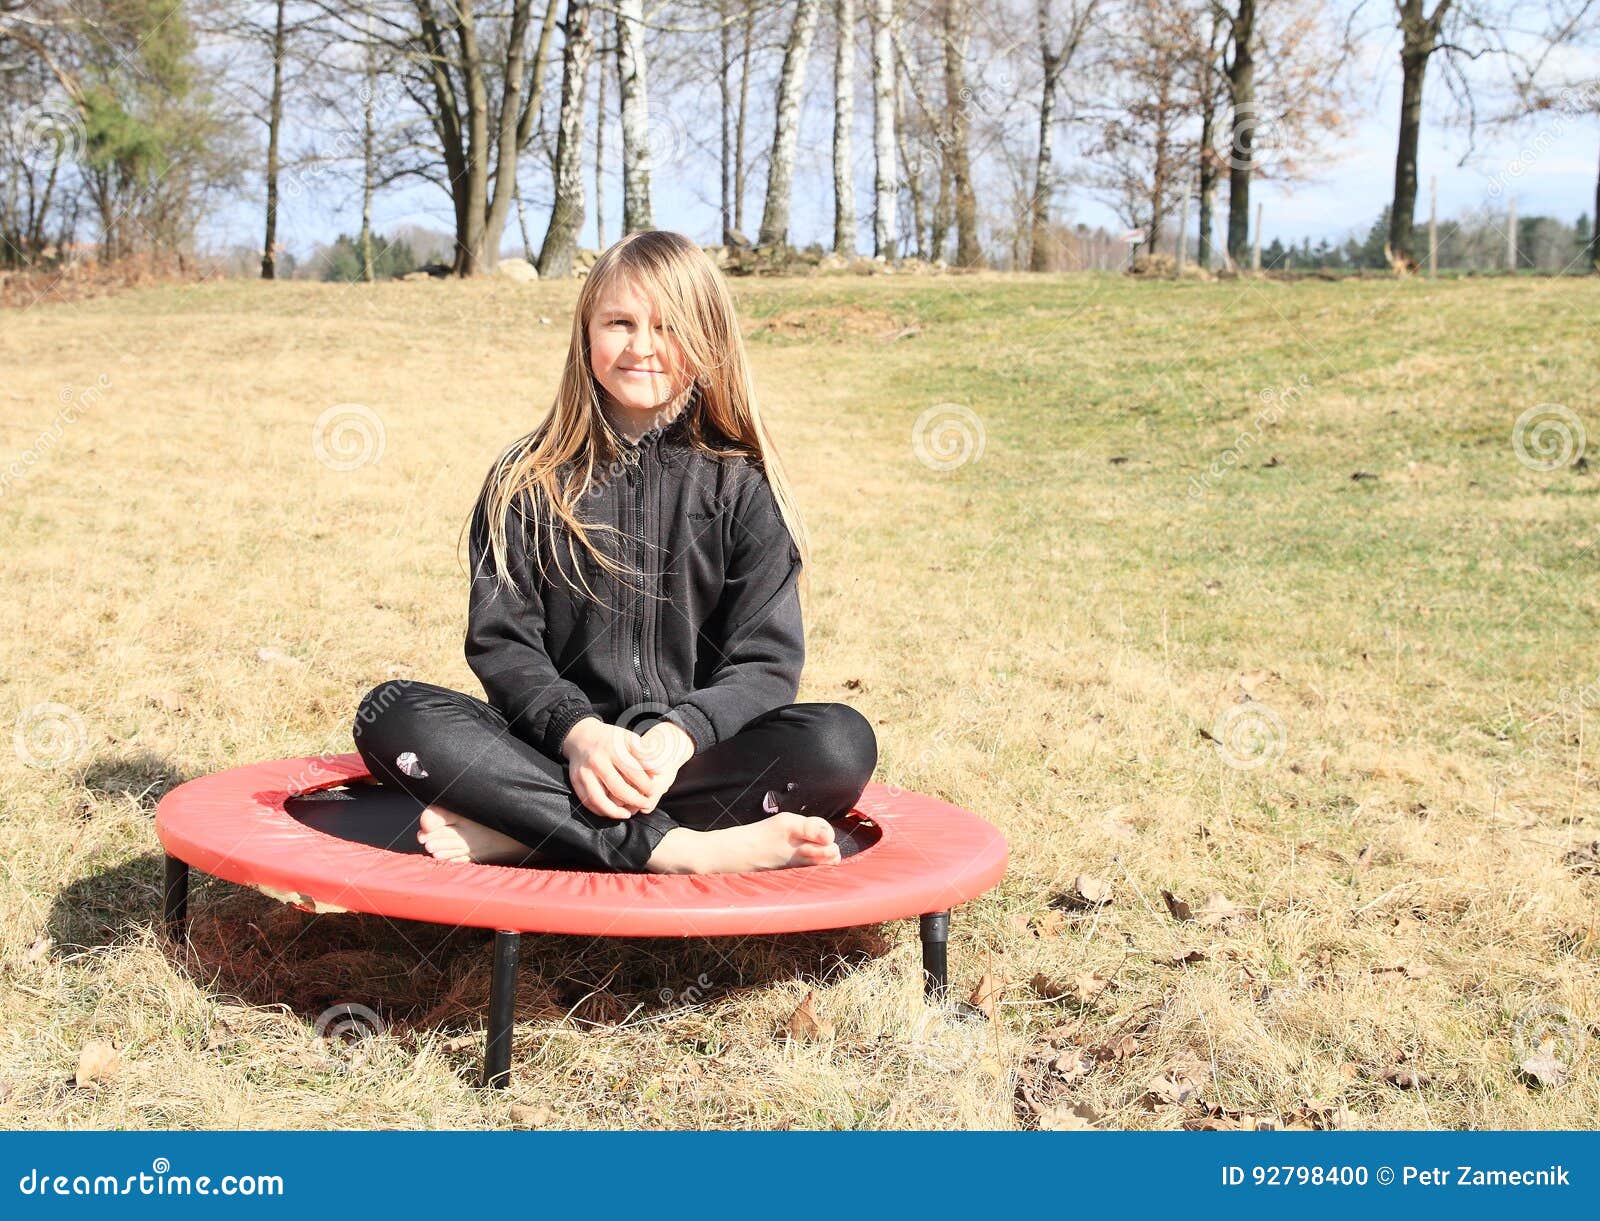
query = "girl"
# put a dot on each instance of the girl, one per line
(634, 617)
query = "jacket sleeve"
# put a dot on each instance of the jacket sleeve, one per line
(763, 649)
(505, 645)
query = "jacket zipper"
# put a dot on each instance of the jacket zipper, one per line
(638, 627)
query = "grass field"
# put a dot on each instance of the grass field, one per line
(1241, 592)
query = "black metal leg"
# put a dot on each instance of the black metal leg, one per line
(935, 929)
(175, 897)
(502, 1003)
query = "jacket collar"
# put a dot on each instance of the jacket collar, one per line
(661, 438)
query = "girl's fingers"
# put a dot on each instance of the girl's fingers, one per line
(594, 796)
(631, 771)
(622, 789)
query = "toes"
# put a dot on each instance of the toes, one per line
(818, 830)
(431, 819)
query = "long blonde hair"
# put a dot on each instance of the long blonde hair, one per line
(543, 473)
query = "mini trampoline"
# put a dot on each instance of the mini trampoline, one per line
(320, 834)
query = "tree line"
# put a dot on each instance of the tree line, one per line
(135, 120)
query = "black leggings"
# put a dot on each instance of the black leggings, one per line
(811, 758)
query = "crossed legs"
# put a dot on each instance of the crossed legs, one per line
(752, 801)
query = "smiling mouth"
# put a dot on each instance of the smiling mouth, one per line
(630, 370)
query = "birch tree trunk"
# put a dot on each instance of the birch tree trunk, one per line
(507, 134)
(470, 248)
(600, 156)
(1242, 90)
(1059, 41)
(844, 108)
(368, 160)
(968, 252)
(791, 89)
(566, 214)
(725, 97)
(744, 110)
(886, 185)
(636, 210)
(269, 261)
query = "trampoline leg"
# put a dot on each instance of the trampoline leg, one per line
(502, 1003)
(175, 897)
(935, 929)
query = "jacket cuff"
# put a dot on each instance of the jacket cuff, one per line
(694, 723)
(566, 714)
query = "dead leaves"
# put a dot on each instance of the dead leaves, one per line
(1216, 911)
(1545, 1068)
(1584, 859)
(1087, 892)
(985, 995)
(806, 1025)
(1403, 971)
(98, 1061)
(1310, 1116)
(524, 1116)
(1407, 1078)
(1082, 988)
(1177, 1085)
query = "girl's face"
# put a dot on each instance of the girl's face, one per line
(636, 360)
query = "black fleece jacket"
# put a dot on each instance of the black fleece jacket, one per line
(721, 644)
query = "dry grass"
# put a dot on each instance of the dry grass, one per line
(1044, 634)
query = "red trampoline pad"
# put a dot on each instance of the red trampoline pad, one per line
(928, 856)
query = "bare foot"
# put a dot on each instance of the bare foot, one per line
(778, 842)
(449, 836)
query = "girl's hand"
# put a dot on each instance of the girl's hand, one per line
(610, 768)
(606, 773)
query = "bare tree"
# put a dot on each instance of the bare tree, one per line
(631, 69)
(844, 107)
(1458, 28)
(274, 122)
(886, 185)
(468, 70)
(1210, 90)
(1144, 146)
(1239, 17)
(791, 89)
(566, 214)
(968, 251)
(1419, 31)
(1059, 40)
